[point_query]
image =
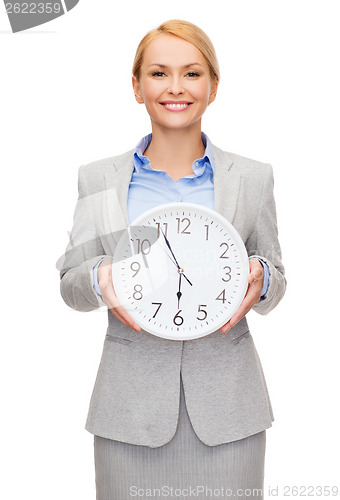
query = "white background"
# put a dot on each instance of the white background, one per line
(66, 99)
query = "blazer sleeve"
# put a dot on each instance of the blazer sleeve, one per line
(264, 243)
(82, 253)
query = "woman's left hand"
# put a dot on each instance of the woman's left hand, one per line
(253, 295)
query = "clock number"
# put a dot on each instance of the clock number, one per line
(228, 273)
(156, 304)
(202, 311)
(159, 228)
(137, 295)
(141, 246)
(207, 234)
(223, 256)
(178, 320)
(221, 296)
(184, 231)
(135, 270)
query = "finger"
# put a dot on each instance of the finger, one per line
(251, 298)
(120, 313)
(111, 300)
(255, 278)
(225, 327)
(125, 318)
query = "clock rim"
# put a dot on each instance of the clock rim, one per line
(234, 234)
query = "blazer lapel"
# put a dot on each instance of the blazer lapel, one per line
(115, 215)
(227, 182)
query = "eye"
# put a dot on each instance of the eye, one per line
(192, 73)
(158, 73)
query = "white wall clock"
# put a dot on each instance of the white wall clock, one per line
(180, 270)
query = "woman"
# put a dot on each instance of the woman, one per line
(175, 418)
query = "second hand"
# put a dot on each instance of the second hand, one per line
(176, 263)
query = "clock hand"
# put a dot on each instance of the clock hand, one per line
(167, 242)
(187, 279)
(178, 266)
(166, 253)
(179, 294)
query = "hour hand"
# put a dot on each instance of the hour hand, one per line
(179, 293)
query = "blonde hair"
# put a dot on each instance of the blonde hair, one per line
(187, 31)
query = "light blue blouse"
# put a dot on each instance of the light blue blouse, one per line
(150, 187)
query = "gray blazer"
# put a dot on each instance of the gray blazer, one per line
(136, 393)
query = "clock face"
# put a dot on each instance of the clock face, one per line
(180, 270)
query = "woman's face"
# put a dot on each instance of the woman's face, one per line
(175, 83)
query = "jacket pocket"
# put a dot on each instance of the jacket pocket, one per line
(118, 340)
(243, 335)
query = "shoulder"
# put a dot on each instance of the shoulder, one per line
(105, 165)
(246, 166)
(91, 175)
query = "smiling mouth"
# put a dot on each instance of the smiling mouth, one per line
(175, 106)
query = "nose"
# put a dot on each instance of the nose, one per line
(175, 87)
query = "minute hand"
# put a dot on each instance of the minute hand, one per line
(178, 266)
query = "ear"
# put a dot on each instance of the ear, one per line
(213, 92)
(136, 90)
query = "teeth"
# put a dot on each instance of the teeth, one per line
(176, 106)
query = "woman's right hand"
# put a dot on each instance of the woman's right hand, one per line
(109, 296)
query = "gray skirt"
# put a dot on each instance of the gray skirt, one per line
(183, 468)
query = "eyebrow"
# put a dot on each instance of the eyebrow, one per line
(186, 66)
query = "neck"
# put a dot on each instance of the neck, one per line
(175, 150)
